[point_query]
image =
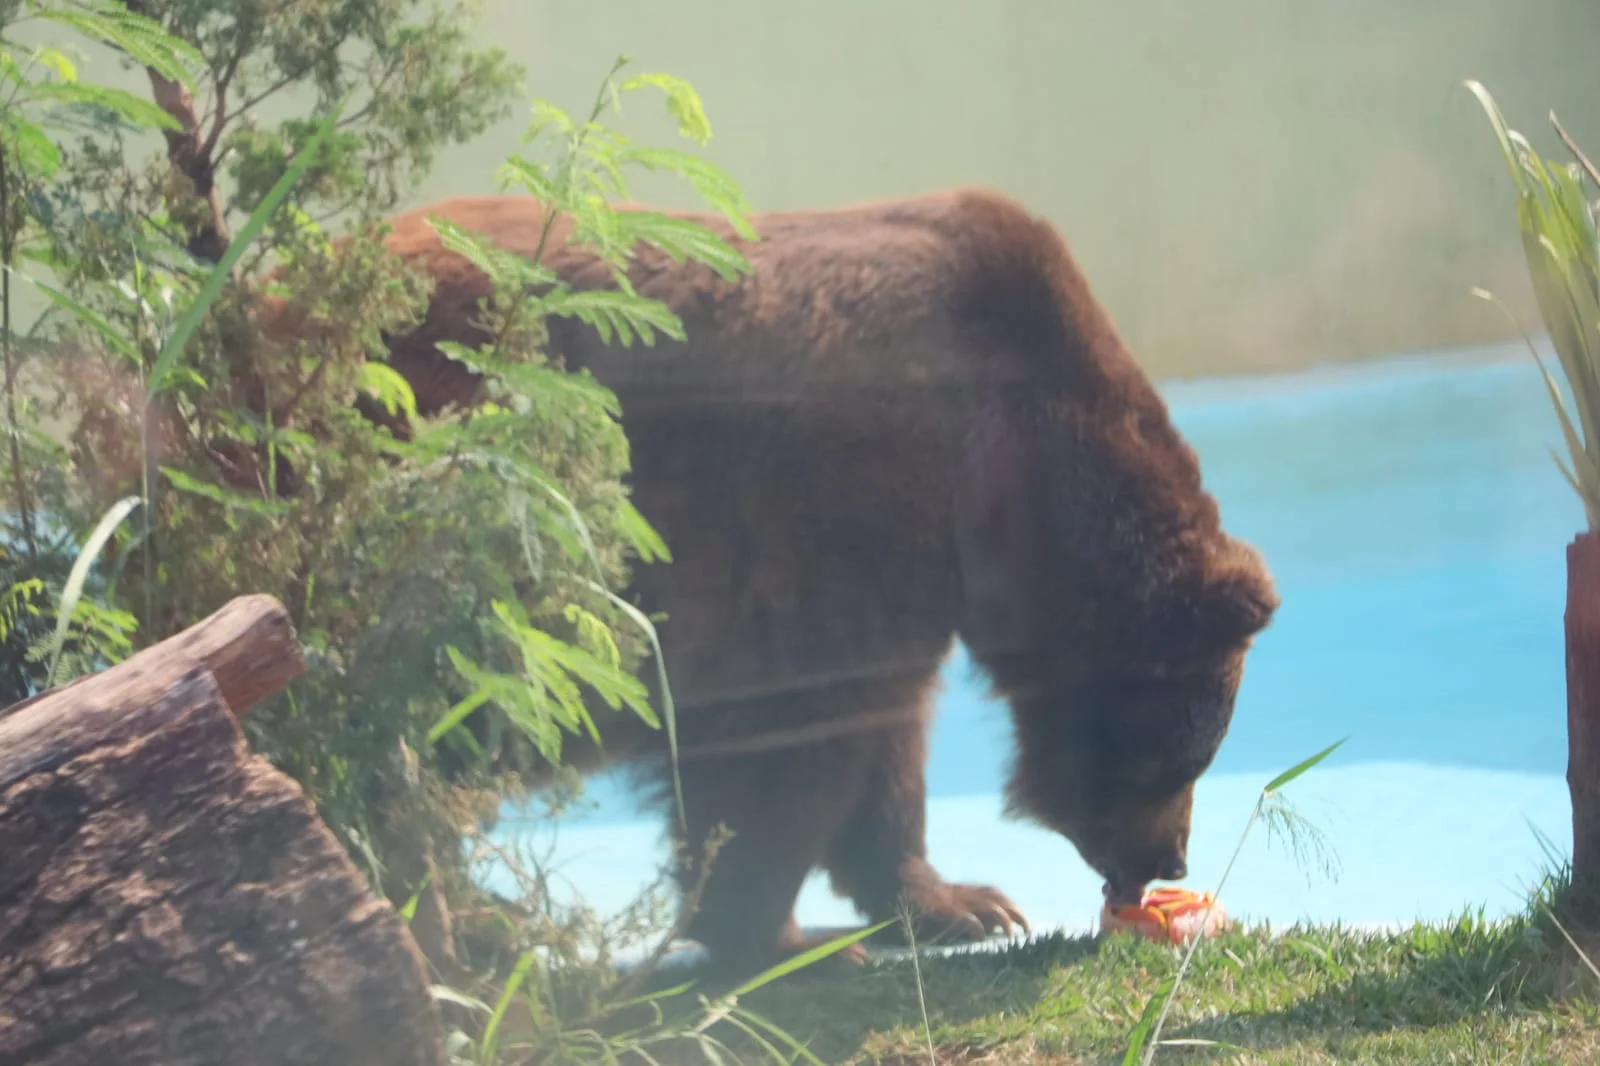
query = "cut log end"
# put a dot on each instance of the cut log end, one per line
(166, 897)
(248, 645)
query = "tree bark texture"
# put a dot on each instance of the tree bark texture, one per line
(166, 897)
(1583, 711)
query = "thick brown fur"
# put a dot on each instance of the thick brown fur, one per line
(913, 423)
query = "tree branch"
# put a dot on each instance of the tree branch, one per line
(1572, 146)
(189, 151)
(219, 115)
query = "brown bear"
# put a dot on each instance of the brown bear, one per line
(913, 423)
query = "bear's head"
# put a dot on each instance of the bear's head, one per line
(1103, 598)
(1113, 739)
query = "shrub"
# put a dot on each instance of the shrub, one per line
(469, 570)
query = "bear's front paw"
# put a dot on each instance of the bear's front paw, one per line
(955, 913)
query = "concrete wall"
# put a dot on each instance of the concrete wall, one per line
(1251, 184)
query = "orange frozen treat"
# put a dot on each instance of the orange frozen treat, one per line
(1171, 914)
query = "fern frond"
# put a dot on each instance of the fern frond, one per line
(135, 110)
(142, 39)
(386, 385)
(17, 600)
(683, 103)
(619, 314)
(713, 185)
(684, 240)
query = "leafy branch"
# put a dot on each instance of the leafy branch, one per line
(581, 181)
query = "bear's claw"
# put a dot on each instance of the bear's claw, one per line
(967, 913)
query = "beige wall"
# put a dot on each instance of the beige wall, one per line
(1250, 183)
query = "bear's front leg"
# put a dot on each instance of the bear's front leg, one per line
(944, 912)
(879, 858)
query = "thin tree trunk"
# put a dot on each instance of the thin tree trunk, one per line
(1583, 714)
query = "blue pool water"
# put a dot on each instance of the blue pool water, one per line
(1417, 526)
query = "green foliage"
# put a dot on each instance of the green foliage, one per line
(165, 56)
(41, 94)
(584, 174)
(40, 89)
(546, 695)
(182, 428)
(82, 638)
(167, 394)
(562, 1003)
(1562, 248)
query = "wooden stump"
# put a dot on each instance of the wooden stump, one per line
(1583, 714)
(166, 897)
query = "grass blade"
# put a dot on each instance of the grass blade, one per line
(780, 1035)
(668, 710)
(1501, 130)
(409, 911)
(446, 994)
(72, 592)
(1147, 1020)
(90, 317)
(806, 958)
(1213, 1045)
(491, 1031)
(1300, 768)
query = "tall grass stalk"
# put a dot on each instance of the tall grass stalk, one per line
(1146, 1036)
(908, 919)
(1542, 894)
(72, 591)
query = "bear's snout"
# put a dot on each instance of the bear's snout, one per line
(1129, 874)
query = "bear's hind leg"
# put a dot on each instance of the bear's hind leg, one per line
(879, 858)
(782, 808)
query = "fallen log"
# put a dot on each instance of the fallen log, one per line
(167, 897)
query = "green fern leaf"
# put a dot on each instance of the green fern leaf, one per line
(55, 61)
(134, 109)
(623, 315)
(142, 39)
(226, 497)
(530, 175)
(641, 535)
(28, 144)
(386, 385)
(713, 185)
(563, 387)
(594, 636)
(17, 601)
(683, 103)
(545, 116)
(684, 240)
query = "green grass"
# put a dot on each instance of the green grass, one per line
(1469, 992)
(1521, 990)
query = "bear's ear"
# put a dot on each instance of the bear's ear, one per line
(1237, 598)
